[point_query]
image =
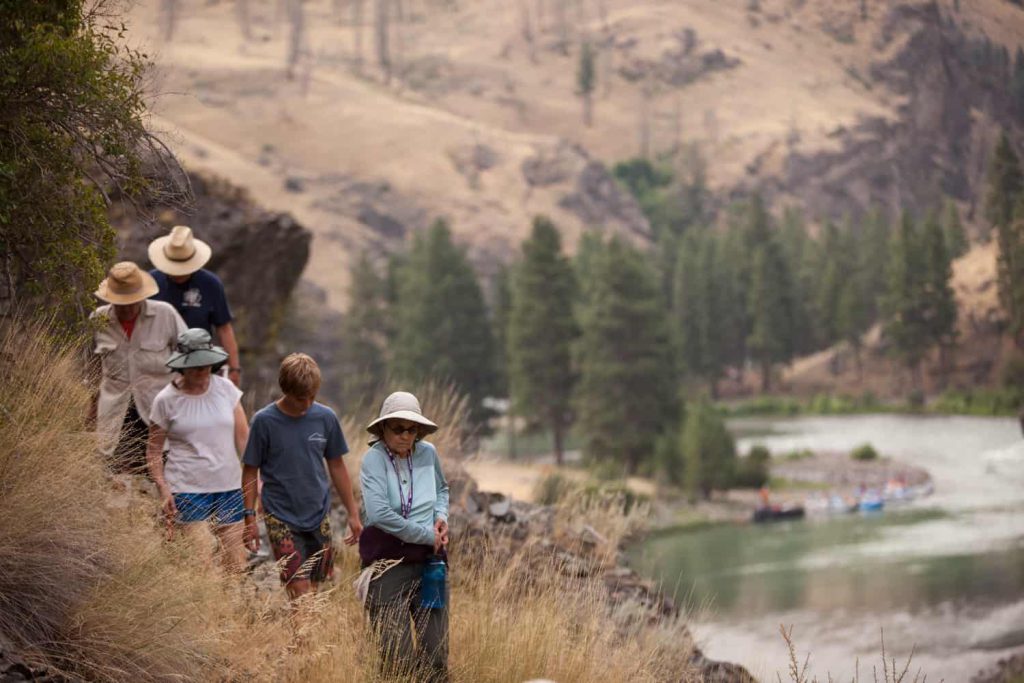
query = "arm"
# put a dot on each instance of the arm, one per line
(343, 484)
(241, 428)
(251, 533)
(440, 507)
(373, 477)
(155, 462)
(226, 333)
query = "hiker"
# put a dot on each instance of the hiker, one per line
(196, 293)
(134, 338)
(405, 496)
(289, 442)
(199, 417)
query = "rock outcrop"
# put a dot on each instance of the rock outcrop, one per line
(258, 254)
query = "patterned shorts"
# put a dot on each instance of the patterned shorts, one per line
(302, 554)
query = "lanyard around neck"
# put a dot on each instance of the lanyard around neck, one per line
(404, 501)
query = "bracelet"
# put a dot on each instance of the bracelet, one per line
(248, 512)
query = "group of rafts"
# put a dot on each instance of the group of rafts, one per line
(866, 500)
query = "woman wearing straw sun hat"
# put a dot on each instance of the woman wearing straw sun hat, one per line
(134, 338)
(199, 417)
(195, 292)
(405, 498)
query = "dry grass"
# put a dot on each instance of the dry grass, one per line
(94, 590)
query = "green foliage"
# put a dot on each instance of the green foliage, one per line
(906, 325)
(501, 307)
(752, 472)
(669, 463)
(442, 329)
(864, 452)
(939, 301)
(71, 107)
(770, 309)
(1005, 182)
(541, 330)
(586, 78)
(1005, 400)
(624, 397)
(553, 488)
(953, 228)
(709, 450)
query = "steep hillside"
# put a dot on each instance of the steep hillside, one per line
(477, 118)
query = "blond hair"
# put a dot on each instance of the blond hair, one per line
(299, 375)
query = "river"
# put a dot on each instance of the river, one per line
(943, 575)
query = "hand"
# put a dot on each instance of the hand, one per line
(355, 527)
(170, 512)
(235, 375)
(440, 535)
(251, 534)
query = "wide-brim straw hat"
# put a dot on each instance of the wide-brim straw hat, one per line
(401, 405)
(179, 253)
(195, 349)
(126, 284)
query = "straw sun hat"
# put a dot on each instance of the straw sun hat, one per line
(401, 405)
(126, 284)
(195, 349)
(179, 253)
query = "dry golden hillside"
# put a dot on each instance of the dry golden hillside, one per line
(477, 118)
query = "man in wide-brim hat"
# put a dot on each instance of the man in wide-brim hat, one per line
(134, 339)
(195, 292)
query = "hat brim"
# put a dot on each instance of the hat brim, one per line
(148, 289)
(197, 359)
(170, 267)
(377, 425)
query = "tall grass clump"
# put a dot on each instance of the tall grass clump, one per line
(88, 588)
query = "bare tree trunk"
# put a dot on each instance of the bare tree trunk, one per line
(168, 18)
(644, 122)
(559, 442)
(244, 22)
(296, 36)
(526, 29)
(766, 376)
(562, 26)
(357, 35)
(380, 25)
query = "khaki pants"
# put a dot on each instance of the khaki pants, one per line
(393, 601)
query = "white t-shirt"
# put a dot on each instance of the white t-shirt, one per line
(201, 456)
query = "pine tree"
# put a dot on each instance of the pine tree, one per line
(830, 282)
(364, 330)
(803, 257)
(501, 305)
(708, 450)
(1005, 184)
(905, 325)
(940, 311)
(541, 331)
(1011, 272)
(1016, 90)
(953, 228)
(443, 332)
(875, 243)
(624, 398)
(689, 309)
(586, 78)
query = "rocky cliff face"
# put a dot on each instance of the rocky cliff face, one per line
(259, 255)
(951, 107)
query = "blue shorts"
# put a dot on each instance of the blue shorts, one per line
(223, 507)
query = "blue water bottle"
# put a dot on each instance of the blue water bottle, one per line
(432, 584)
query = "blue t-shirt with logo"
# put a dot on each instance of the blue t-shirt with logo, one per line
(200, 300)
(290, 454)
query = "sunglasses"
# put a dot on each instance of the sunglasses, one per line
(399, 431)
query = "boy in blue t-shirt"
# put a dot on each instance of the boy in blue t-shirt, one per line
(196, 293)
(290, 441)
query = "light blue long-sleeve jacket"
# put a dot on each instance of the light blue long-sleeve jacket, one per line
(381, 500)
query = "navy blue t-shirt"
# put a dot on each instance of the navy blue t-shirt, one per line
(200, 300)
(290, 454)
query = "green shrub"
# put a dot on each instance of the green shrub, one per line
(801, 454)
(552, 489)
(752, 471)
(864, 452)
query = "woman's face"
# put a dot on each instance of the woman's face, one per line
(196, 376)
(400, 435)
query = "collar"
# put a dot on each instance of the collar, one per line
(147, 310)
